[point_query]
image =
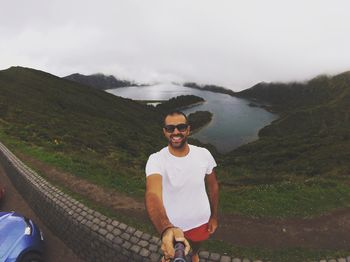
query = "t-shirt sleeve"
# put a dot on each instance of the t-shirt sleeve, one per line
(153, 165)
(210, 162)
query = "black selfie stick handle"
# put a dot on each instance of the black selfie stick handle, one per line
(179, 252)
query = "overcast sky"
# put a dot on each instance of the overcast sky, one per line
(225, 42)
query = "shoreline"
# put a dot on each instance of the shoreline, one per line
(200, 128)
(150, 102)
(191, 105)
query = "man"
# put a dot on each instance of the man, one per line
(176, 198)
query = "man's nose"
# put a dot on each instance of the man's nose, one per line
(176, 131)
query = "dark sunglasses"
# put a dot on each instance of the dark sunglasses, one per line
(171, 128)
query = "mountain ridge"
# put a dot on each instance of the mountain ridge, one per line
(99, 81)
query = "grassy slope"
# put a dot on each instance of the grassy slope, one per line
(108, 137)
(311, 136)
(302, 155)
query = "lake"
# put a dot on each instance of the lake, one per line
(234, 121)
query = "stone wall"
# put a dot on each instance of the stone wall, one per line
(91, 235)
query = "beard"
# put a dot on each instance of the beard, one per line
(177, 144)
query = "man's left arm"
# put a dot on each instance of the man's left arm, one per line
(213, 193)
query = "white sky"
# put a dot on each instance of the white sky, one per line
(233, 43)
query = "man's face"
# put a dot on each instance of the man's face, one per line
(177, 138)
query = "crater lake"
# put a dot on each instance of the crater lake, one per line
(234, 121)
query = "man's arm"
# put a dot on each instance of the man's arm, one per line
(159, 218)
(154, 203)
(213, 193)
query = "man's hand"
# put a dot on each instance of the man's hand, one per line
(169, 237)
(212, 225)
(213, 194)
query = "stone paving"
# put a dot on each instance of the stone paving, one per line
(91, 235)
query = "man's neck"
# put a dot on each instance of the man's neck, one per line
(179, 152)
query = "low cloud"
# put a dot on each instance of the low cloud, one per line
(231, 43)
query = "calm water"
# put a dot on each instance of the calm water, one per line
(234, 121)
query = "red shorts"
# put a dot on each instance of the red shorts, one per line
(197, 234)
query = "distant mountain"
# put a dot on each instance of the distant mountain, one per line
(99, 81)
(211, 88)
(285, 96)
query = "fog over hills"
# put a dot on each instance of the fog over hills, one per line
(99, 80)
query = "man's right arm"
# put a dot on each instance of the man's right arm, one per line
(154, 203)
(159, 218)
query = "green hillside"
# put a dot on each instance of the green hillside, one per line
(312, 135)
(290, 96)
(97, 130)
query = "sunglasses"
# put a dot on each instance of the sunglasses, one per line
(171, 128)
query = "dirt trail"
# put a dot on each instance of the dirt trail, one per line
(329, 231)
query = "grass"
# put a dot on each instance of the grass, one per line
(286, 199)
(69, 165)
(277, 255)
(281, 196)
(92, 170)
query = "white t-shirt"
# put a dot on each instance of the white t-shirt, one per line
(184, 195)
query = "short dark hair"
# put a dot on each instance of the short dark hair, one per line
(175, 112)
